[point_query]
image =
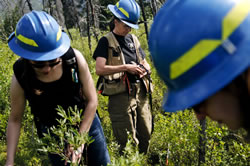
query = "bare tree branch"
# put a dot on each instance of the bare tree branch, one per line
(93, 19)
(29, 5)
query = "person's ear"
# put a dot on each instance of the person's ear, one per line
(115, 21)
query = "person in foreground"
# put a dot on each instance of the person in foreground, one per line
(124, 71)
(45, 76)
(202, 53)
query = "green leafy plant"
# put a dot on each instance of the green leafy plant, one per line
(65, 133)
(131, 155)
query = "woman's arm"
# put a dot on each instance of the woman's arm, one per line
(18, 103)
(89, 92)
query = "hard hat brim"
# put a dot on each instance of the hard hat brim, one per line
(217, 79)
(112, 9)
(40, 56)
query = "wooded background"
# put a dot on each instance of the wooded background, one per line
(88, 16)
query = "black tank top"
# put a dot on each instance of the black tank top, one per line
(44, 98)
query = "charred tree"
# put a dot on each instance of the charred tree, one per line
(93, 19)
(202, 142)
(59, 11)
(144, 18)
(88, 28)
(77, 17)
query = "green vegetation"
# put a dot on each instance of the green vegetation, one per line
(175, 140)
(64, 134)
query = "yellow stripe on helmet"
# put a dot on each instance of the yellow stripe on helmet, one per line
(192, 57)
(204, 47)
(122, 10)
(32, 42)
(59, 34)
(27, 40)
(235, 17)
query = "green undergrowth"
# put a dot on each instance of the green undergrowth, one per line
(175, 140)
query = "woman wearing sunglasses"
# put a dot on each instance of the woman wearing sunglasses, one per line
(43, 77)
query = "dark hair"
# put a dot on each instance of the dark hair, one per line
(112, 23)
(27, 76)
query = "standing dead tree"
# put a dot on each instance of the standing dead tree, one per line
(93, 18)
(144, 18)
(59, 12)
(60, 16)
(202, 142)
(77, 17)
(88, 27)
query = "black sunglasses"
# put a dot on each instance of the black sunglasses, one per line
(42, 64)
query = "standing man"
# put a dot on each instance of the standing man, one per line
(45, 77)
(124, 76)
(203, 55)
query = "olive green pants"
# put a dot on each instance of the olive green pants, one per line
(131, 113)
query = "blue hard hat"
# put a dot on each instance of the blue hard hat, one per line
(38, 37)
(128, 11)
(199, 47)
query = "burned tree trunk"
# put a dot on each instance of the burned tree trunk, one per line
(77, 18)
(202, 141)
(88, 27)
(59, 11)
(144, 18)
(93, 19)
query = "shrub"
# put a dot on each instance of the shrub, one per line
(175, 138)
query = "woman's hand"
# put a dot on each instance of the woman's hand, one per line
(74, 155)
(135, 69)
